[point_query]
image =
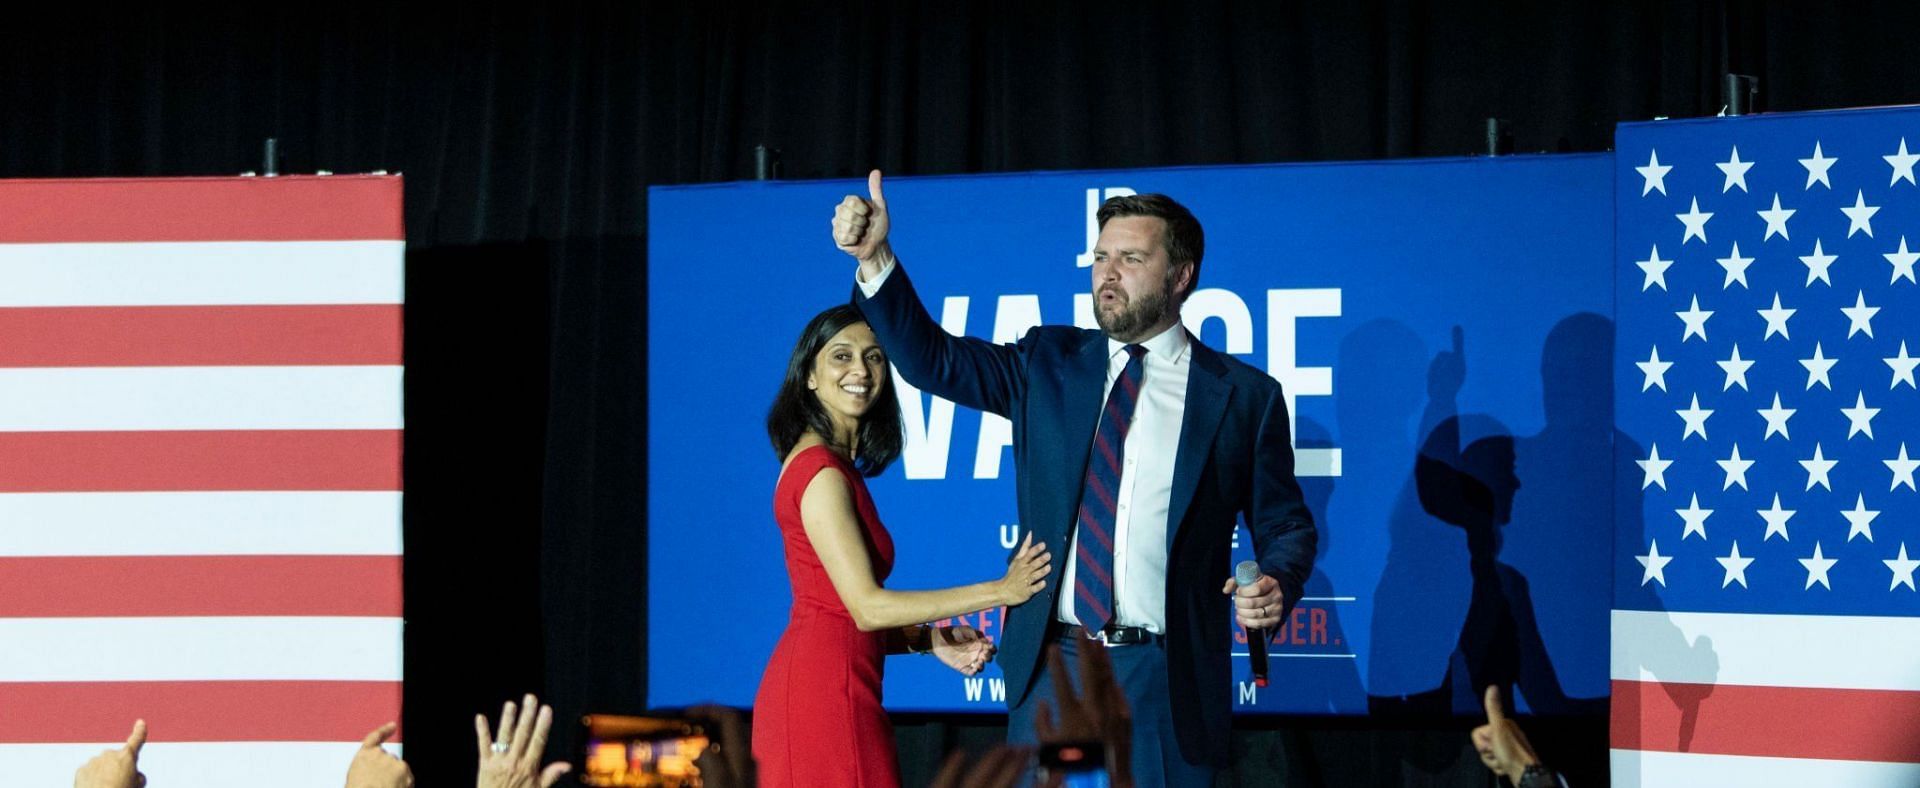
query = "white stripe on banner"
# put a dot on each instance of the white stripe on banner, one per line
(186, 274)
(1765, 650)
(200, 398)
(236, 648)
(1636, 769)
(278, 764)
(200, 523)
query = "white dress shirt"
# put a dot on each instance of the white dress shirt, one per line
(1146, 480)
(1146, 484)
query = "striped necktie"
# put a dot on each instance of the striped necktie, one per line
(1093, 591)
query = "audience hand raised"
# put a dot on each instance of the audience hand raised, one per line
(513, 759)
(116, 768)
(1099, 712)
(1000, 767)
(374, 767)
(1502, 746)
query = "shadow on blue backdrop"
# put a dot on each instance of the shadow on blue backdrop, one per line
(1456, 613)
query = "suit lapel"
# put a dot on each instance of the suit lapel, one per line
(1207, 394)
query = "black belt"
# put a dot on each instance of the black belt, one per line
(1112, 635)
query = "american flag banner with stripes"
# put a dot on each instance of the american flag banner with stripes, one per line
(200, 427)
(1766, 624)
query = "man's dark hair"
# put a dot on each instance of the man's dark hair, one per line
(796, 409)
(1185, 241)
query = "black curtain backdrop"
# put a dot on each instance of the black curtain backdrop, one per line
(529, 135)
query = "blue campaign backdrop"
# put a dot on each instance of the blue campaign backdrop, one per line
(1442, 325)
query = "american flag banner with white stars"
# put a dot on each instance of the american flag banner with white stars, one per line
(1766, 624)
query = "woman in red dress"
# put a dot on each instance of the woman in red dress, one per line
(817, 719)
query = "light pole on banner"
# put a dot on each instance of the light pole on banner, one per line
(1737, 94)
(1499, 136)
(766, 163)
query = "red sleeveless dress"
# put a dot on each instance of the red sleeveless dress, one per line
(817, 719)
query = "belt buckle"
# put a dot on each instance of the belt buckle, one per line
(1102, 636)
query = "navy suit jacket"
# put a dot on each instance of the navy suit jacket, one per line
(1234, 460)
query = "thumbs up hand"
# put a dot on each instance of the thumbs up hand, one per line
(116, 768)
(1501, 744)
(860, 228)
(374, 767)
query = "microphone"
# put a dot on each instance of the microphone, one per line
(1246, 574)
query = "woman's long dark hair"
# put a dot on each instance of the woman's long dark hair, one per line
(796, 409)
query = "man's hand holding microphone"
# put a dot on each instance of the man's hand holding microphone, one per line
(1257, 604)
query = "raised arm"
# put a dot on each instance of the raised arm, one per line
(833, 527)
(1446, 489)
(966, 370)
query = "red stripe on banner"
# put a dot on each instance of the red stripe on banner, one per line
(224, 585)
(183, 460)
(196, 711)
(1784, 722)
(332, 208)
(210, 336)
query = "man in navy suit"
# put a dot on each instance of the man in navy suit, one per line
(1137, 448)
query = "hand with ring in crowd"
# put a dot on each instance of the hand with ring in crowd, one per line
(512, 759)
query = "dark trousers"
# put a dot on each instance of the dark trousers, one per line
(1141, 671)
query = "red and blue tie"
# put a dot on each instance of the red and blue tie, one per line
(1093, 560)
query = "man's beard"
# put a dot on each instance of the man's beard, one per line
(1138, 315)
